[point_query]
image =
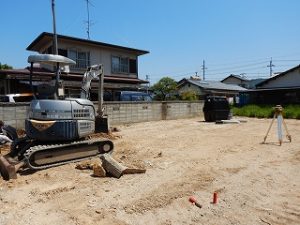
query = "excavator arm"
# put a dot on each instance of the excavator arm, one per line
(93, 72)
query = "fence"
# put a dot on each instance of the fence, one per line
(118, 113)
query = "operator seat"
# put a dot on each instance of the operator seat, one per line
(46, 91)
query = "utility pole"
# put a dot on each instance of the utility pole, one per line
(271, 65)
(55, 50)
(203, 69)
(148, 79)
(54, 29)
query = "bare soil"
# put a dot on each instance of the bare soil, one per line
(256, 183)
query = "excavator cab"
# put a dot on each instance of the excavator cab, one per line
(48, 90)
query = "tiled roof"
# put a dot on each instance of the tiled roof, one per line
(235, 76)
(214, 85)
(46, 37)
(42, 73)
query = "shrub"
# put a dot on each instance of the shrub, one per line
(188, 96)
(266, 111)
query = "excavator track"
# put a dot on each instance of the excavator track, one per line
(46, 156)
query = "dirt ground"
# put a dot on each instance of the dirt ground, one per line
(256, 183)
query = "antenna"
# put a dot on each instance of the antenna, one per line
(88, 22)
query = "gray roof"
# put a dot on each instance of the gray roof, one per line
(45, 38)
(236, 76)
(254, 82)
(215, 85)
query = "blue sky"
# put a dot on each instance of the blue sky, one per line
(232, 36)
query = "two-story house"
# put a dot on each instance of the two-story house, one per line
(120, 65)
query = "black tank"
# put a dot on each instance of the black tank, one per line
(216, 108)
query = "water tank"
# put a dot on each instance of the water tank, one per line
(216, 108)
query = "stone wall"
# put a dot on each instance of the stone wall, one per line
(14, 114)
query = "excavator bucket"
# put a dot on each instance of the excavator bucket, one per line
(8, 171)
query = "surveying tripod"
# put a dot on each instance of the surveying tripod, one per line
(278, 114)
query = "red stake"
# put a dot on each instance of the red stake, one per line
(193, 200)
(215, 198)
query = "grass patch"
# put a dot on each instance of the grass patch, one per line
(266, 111)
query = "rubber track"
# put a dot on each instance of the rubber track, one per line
(37, 148)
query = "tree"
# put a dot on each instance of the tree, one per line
(165, 89)
(5, 67)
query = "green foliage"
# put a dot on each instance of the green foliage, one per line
(165, 89)
(189, 96)
(266, 111)
(5, 67)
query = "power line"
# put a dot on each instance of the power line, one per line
(287, 60)
(241, 66)
(221, 72)
(239, 70)
(239, 62)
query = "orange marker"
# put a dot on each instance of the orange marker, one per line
(215, 198)
(193, 200)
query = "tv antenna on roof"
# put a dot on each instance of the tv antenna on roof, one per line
(88, 21)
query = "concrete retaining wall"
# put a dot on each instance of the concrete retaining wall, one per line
(14, 114)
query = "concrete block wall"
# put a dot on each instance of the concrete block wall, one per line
(14, 114)
(122, 113)
(118, 112)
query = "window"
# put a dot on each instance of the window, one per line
(4, 98)
(82, 59)
(23, 98)
(63, 52)
(132, 66)
(119, 64)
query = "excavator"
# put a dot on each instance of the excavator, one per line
(58, 129)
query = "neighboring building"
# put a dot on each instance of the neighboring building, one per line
(236, 80)
(283, 88)
(242, 81)
(204, 88)
(120, 65)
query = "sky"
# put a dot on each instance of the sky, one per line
(232, 36)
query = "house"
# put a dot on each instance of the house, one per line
(120, 65)
(283, 88)
(242, 81)
(204, 88)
